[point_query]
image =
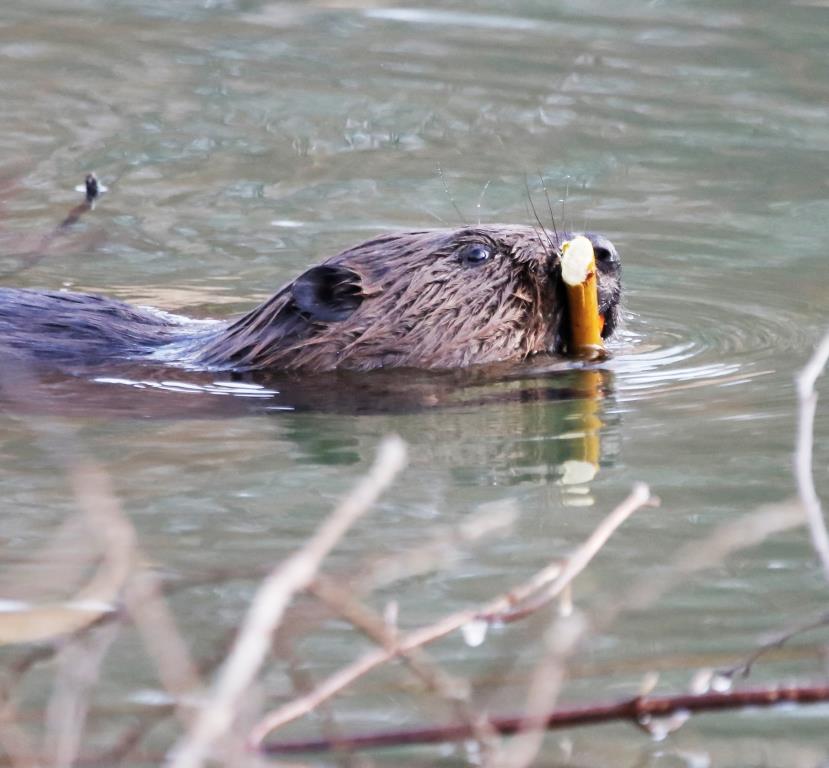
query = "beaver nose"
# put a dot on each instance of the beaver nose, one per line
(604, 250)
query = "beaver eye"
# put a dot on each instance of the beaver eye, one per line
(474, 254)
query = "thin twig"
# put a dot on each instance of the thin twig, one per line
(419, 637)
(450, 688)
(744, 667)
(745, 532)
(268, 608)
(139, 585)
(639, 497)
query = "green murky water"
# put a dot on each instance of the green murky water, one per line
(244, 140)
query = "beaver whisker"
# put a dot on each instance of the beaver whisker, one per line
(449, 195)
(549, 204)
(537, 218)
(481, 199)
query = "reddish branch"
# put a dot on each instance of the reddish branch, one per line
(637, 710)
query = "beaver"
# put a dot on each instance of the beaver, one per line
(430, 298)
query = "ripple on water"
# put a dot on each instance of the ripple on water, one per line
(686, 341)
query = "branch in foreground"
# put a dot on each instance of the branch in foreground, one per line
(269, 605)
(553, 576)
(639, 710)
(450, 688)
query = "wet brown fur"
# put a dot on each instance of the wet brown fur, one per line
(403, 299)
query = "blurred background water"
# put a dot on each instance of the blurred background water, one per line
(243, 140)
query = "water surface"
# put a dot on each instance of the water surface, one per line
(243, 140)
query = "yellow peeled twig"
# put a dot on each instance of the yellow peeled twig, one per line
(578, 270)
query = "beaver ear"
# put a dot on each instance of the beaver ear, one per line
(328, 293)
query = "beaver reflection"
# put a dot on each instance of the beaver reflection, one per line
(429, 299)
(549, 420)
(524, 427)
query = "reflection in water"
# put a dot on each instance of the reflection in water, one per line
(533, 424)
(580, 470)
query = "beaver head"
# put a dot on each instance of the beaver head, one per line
(440, 298)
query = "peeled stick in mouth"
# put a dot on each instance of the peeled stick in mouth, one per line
(578, 270)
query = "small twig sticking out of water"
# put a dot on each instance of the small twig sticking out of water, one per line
(92, 189)
(269, 605)
(807, 397)
(31, 256)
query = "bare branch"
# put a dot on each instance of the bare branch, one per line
(492, 610)
(744, 667)
(634, 710)
(139, 586)
(453, 690)
(639, 497)
(269, 604)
